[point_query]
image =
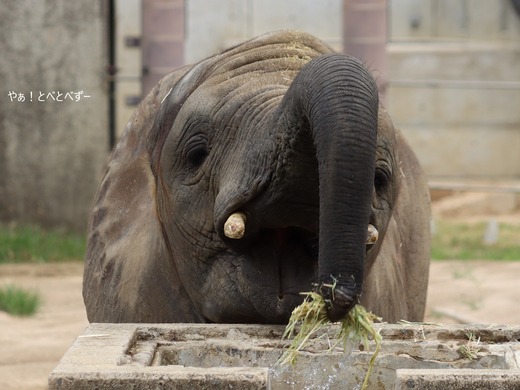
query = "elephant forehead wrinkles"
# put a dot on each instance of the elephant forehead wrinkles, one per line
(267, 57)
(222, 105)
(230, 91)
(279, 70)
(246, 111)
(273, 59)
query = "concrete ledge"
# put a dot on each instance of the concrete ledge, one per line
(163, 378)
(454, 379)
(218, 356)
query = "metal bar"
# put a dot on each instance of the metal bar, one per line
(112, 69)
(456, 84)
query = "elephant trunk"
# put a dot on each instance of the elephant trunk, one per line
(336, 98)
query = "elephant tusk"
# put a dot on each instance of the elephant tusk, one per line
(235, 226)
(373, 235)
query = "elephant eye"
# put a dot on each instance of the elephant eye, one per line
(381, 179)
(196, 155)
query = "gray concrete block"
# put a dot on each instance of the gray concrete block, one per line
(461, 379)
(217, 356)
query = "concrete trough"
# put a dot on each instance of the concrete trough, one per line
(202, 356)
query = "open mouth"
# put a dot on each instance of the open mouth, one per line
(289, 255)
(277, 263)
(285, 259)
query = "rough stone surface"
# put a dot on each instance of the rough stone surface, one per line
(200, 356)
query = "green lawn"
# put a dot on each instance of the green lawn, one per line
(464, 241)
(29, 244)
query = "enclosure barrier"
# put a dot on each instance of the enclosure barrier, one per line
(202, 356)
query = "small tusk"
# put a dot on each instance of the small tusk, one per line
(373, 235)
(235, 226)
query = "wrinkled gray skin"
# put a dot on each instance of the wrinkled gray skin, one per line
(290, 134)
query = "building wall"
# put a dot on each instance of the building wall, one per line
(455, 85)
(212, 26)
(456, 129)
(423, 20)
(52, 152)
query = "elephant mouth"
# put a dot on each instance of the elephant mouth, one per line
(280, 265)
(287, 258)
(277, 265)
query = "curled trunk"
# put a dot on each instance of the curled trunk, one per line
(336, 98)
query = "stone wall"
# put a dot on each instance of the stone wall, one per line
(53, 138)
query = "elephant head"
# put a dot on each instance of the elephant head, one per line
(244, 180)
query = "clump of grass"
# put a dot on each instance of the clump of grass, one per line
(310, 318)
(30, 244)
(471, 348)
(17, 301)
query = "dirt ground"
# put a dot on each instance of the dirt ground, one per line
(31, 347)
(464, 292)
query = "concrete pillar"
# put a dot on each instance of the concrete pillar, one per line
(163, 39)
(365, 36)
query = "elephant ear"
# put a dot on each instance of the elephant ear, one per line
(395, 287)
(129, 274)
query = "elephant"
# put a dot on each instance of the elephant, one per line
(267, 170)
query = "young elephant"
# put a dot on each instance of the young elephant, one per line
(259, 173)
